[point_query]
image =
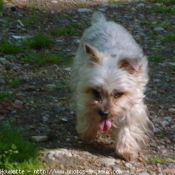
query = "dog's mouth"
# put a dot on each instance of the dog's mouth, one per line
(105, 124)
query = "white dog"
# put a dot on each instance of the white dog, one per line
(108, 79)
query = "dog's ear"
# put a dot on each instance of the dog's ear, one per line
(93, 52)
(131, 65)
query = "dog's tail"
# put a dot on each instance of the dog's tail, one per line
(98, 17)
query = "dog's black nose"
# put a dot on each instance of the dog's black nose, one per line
(103, 114)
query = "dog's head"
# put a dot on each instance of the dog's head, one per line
(111, 84)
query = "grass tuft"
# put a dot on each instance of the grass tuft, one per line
(161, 159)
(43, 58)
(5, 94)
(71, 30)
(16, 152)
(10, 48)
(39, 41)
(155, 58)
(1, 4)
(12, 83)
(169, 37)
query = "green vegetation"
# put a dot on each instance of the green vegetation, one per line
(33, 50)
(71, 29)
(155, 58)
(31, 19)
(164, 9)
(166, 2)
(169, 37)
(5, 94)
(10, 48)
(16, 152)
(160, 160)
(12, 82)
(39, 41)
(7, 91)
(111, 1)
(1, 4)
(43, 58)
(165, 6)
(63, 84)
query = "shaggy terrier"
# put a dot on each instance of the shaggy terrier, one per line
(108, 78)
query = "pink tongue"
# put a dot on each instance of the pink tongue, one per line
(105, 124)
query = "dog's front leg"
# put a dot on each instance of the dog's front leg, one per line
(87, 124)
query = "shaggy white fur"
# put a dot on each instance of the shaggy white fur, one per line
(109, 77)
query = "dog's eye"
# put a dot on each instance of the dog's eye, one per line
(118, 94)
(96, 94)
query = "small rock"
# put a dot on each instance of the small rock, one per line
(173, 127)
(3, 60)
(128, 165)
(171, 110)
(18, 37)
(61, 152)
(140, 5)
(171, 63)
(51, 86)
(51, 155)
(18, 102)
(54, 2)
(107, 161)
(158, 29)
(20, 23)
(45, 118)
(13, 112)
(68, 140)
(59, 108)
(153, 144)
(156, 80)
(77, 41)
(67, 68)
(62, 167)
(102, 9)
(158, 4)
(169, 119)
(164, 151)
(143, 173)
(157, 130)
(64, 120)
(117, 170)
(84, 10)
(164, 123)
(39, 138)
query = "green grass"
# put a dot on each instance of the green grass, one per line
(43, 58)
(169, 37)
(161, 159)
(7, 91)
(166, 2)
(5, 94)
(12, 83)
(164, 9)
(155, 58)
(1, 4)
(71, 30)
(31, 19)
(63, 84)
(39, 41)
(17, 152)
(10, 48)
(33, 50)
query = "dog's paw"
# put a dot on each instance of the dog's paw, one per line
(127, 155)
